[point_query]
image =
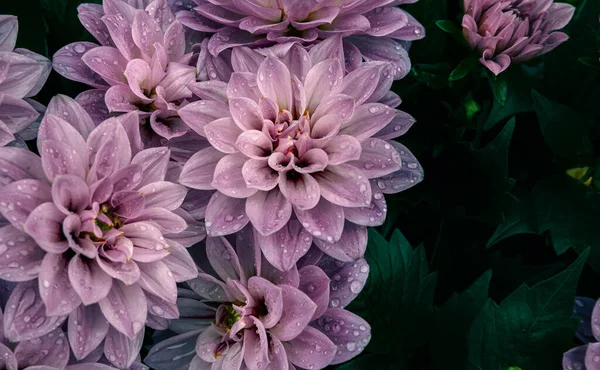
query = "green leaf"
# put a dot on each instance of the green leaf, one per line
(500, 90)
(531, 328)
(520, 218)
(398, 295)
(463, 69)
(453, 320)
(518, 97)
(494, 157)
(565, 130)
(451, 28)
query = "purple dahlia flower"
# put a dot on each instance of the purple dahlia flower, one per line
(372, 29)
(300, 151)
(245, 314)
(586, 356)
(48, 352)
(22, 75)
(516, 31)
(93, 235)
(141, 64)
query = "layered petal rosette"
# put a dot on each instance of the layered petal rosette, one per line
(514, 31)
(23, 73)
(140, 65)
(301, 152)
(96, 235)
(372, 30)
(49, 352)
(251, 316)
(586, 356)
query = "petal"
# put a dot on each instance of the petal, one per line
(67, 62)
(210, 288)
(44, 225)
(347, 279)
(20, 198)
(223, 259)
(121, 34)
(20, 258)
(225, 215)
(138, 74)
(120, 98)
(254, 144)
(243, 84)
(90, 18)
(351, 245)
(108, 62)
(329, 48)
(180, 263)
(340, 105)
(176, 81)
(324, 221)
(315, 284)
(574, 358)
(173, 353)
(383, 49)
(278, 277)
(88, 279)
(145, 32)
(323, 80)
(350, 341)
(54, 128)
(70, 194)
(208, 342)
(272, 298)
(228, 178)
(222, 133)
(199, 114)
(342, 148)
(160, 308)
(163, 194)
(165, 221)
(16, 114)
(378, 158)
(10, 361)
(210, 90)
(298, 310)
(56, 290)
(273, 82)
(246, 113)
(374, 215)
(268, 211)
(348, 23)
(70, 111)
(60, 158)
(277, 354)
(285, 247)
(256, 352)
(259, 175)
(156, 278)
(50, 350)
(367, 77)
(199, 170)
(298, 62)
(397, 127)
(367, 120)
(154, 164)
(128, 272)
(302, 351)
(9, 27)
(19, 164)
(22, 75)
(125, 308)
(301, 189)
(121, 350)
(87, 329)
(407, 177)
(344, 185)
(25, 315)
(174, 40)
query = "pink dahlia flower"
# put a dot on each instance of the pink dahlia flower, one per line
(514, 31)
(49, 352)
(94, 234)
(301, 151)
(141, 65)
(248, 315)
(372, 30)
(23, 73)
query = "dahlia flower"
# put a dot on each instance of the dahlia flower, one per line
(141, 64)
(586, 356)
(514, 31)
(93, 235)
(261, 318)
(22, 75)
(372, 30)
(300, 151)
(49, 352)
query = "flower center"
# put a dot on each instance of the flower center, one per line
(230, 317)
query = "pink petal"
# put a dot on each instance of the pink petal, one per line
(344, 185)
(352, 340)
(301, 350)
(298, 310)
(367, 120)
(347, 279)
(268, 211)
(223, 259)
(315, 284)
(107, 62)
(222, 134)
(199, 170)
(125, 308)
(256, 352)
(301, 189)
(323, 80)
(225, 215)
(56, 290)
(67, 62)
(87, 330)
(350, 247)
(199, 114)
(50, 350)
(44, 225)
(21, 257)
(285, 247)
(20, 198)
(273, 82)
(228, 177)
(70, 111)
(122, 350)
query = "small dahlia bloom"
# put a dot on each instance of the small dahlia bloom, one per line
(93, 235)
(514, 31)
(245, 314)
(372, 30)
(49, 352)
(301, 151)
(586, 356)
(22, 75)
(141, 64)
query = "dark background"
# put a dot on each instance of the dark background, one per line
(504, 236)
